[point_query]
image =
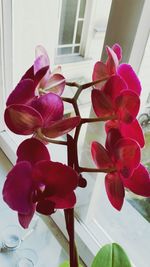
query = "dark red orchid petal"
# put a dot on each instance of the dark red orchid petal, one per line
(50, 106)
(118, 51)
(115, 190)
(32, 150)
(39, 75)
(127, 156)
(102, 105)
(29, 74)
(114, 86)
(99, 73)
(127, 105)
(65, 202)
(130, 77)
(61, 127)
(18, 187)
(25, 219)
(112, 61)
(45, 207)
(23, 92)
(22, 119)
(59, 178)
(101, 156)
(55, 84)
(132, 130)
(139, 182)
(113, 135)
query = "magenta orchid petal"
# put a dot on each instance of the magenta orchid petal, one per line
(45, 207)
(112, 61)
(29, 74)
(25, 219)
(114, 86)
(40, 75)
(113, 135)
(115, 190)
(134, 131)
(99, 73)
(40, 63)
(127, 156)
(65, 202)
(50, 106)
(111, 124)
(101, 156)
(139, 182)
(41, 51)
(56, 176)
(32, 150)
(102, 105)
(55, 84)
(22, 119)
(61, 127)
(23, 92)
(127, 73)
(118, 51)
(17, 190)
(127, 105)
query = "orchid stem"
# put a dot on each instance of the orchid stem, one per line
(49, 140)
(69, 213)
(85, 169)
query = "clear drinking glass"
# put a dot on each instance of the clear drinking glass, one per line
(26, 258)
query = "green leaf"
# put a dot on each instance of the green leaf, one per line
(66, 264)
(111, 255)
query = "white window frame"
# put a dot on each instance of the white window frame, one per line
(87, 242)
(87, 31)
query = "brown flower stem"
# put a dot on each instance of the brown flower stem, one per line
(76, 161)
(73, 84)
(69, 218)
(90, 120)
(69, 213)
(85, 169)
(67, 99)
(78, 93)
(84, 86)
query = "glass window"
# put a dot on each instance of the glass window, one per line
(71, 25)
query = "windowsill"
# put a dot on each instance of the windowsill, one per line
(66, 59)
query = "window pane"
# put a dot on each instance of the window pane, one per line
(82, 8)
(76, 49)
(67, 21)
(79, 31)
(64, 50)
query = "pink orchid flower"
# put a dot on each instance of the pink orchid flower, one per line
(132, 130)
(116, 101)
(42, 185)
(52, 81)
(36, 78)
(122, 157)
(44, 113)
(103, 71)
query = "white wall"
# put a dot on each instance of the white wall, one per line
(34, 23)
